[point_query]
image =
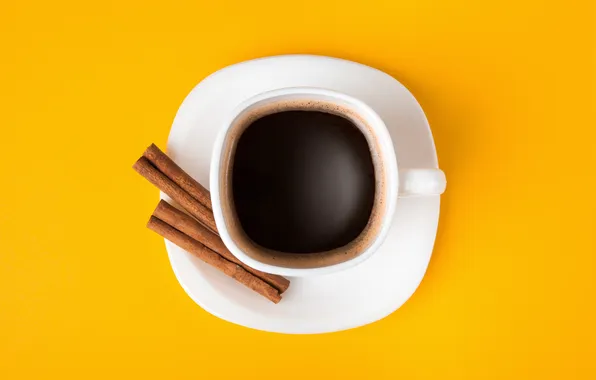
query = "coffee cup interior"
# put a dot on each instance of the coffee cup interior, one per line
(303, 181)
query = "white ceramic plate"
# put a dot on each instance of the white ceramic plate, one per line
(352, 298)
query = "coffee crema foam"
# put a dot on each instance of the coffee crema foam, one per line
(288, 259)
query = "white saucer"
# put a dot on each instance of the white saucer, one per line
(357, 296)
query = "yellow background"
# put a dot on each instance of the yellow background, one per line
(509, 90)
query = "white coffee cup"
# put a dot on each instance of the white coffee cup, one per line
(391, 182)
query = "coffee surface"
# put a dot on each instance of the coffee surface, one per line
(303, 181)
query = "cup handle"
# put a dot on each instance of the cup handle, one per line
(421, 182)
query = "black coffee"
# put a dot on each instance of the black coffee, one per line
(303, 181)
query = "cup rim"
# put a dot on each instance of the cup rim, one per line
(391, 178)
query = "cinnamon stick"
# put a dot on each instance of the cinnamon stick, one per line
(174, 172)
(199, 250)
(188, 225)
(144, 167)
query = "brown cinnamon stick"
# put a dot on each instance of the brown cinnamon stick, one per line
(199, 250)
(174, 172)
(144, 167)
(188, 225)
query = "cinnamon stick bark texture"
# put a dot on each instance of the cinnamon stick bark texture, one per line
(204, 215)
(186, 224)
(174, 172)
(199, 250)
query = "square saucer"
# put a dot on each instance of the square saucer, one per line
(338, 301)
